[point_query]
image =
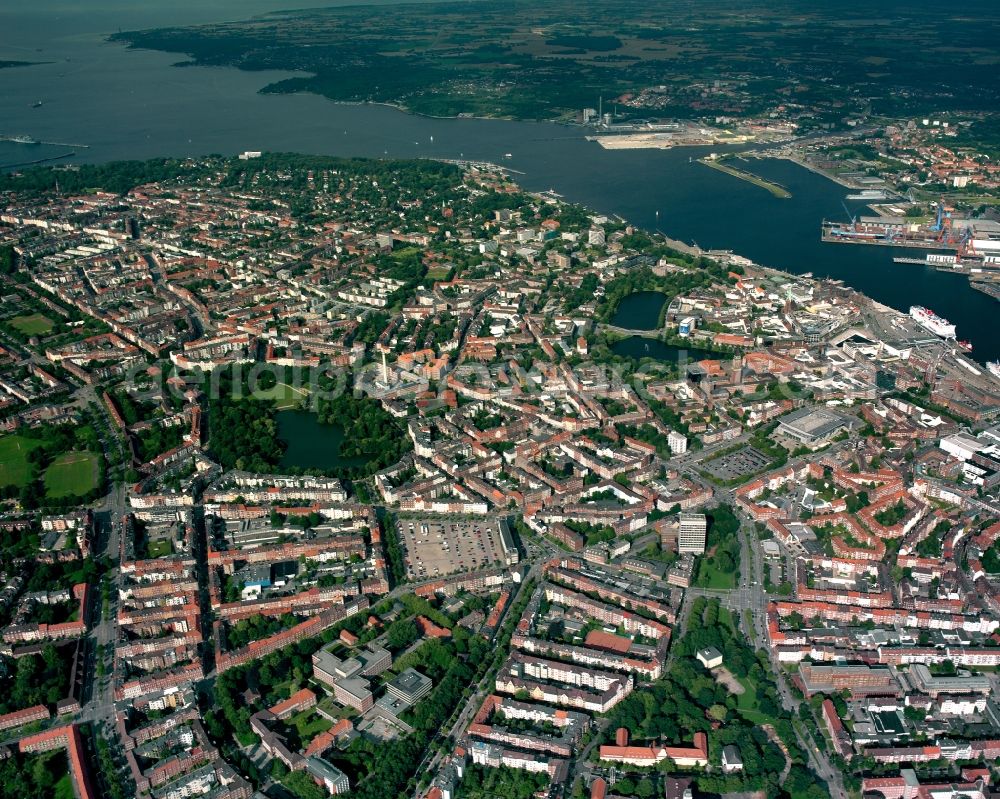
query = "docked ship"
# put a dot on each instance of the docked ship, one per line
(929, 320)
(994, 367)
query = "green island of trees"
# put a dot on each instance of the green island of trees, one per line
(40, 776)
(243, 433)
(719, 567)
(688, 699)
(480, 782)
(33, 680)
(369, 432)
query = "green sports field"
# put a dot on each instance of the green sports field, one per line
(35, 324)
(284, 395)
(72, 474)
(14, 466)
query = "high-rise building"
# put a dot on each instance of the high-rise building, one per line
(691, 533)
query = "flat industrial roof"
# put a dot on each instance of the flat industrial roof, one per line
(814, 422)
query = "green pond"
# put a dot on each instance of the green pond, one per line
(311, 444)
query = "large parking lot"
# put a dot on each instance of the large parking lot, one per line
(737, 464)
(435, 548)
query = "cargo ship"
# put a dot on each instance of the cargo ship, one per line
(929, 320)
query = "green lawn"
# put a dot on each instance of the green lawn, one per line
(309, 724)
(14, 466)
(284, 395)
(746, 703)
(64, 788)
(159, 548)
(74, 473)
(35, 324)
(711, 577)
(438, 273)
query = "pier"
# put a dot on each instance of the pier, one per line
(990, 289)
(775, 189)
(16, 140)
(38, 161)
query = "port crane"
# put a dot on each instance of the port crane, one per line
(850, 216)
(965, 243)
(943, 218)
(943, 224)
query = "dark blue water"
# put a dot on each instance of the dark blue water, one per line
(640, 311)
(134, 104)
(640, 347)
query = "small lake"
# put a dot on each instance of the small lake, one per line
(640, 347)
(640, 311)
(311, 444)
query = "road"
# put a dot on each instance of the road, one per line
(751, 596)
(431, 762)
(99, 704)
(748, 601)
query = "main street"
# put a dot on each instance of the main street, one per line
(435, 754)
(750, 596)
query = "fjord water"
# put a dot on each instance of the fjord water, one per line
(135, 104)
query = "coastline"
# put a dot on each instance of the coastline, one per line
(633, 201)
(814, 169)
(406, 110)
(268, 89)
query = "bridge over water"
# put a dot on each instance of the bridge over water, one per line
(625, 331)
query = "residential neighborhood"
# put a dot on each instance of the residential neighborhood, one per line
(335, 477)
